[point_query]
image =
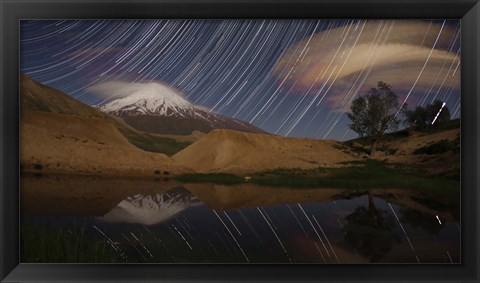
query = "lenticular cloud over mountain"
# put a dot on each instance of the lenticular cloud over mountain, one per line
(120, 89)
(148, 98)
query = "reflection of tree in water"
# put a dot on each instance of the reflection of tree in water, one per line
(370, 231)
(450, 204)
(418, 219)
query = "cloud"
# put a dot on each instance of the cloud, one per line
(412, 56)
(119, 89)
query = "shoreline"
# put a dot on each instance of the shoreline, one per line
(153, 176)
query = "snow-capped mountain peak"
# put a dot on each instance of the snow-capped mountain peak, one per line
(158, 108)
(153, 98)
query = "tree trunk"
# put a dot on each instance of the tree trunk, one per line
(372, 210)
(371, 202)
(373, 147)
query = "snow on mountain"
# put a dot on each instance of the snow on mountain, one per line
(152, 209)
(153, 99)
(157, 108)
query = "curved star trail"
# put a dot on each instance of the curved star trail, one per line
(289, 77)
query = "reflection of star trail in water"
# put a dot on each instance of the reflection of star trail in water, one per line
(289, 77)
(231, 234)
(403, 229)
(275, 233)
(324, 235)
(316, 232)
(347, 231)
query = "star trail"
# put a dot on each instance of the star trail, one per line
(288, 77)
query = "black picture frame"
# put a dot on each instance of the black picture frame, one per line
(11, 11)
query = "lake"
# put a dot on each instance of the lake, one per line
(91, 219)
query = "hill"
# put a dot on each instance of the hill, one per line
(240, 152)
(434, 152)
(62, 135)
(37, 97)
(61, 143)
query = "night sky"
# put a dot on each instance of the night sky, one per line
(288, 77)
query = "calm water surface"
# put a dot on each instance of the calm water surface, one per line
(167, 221)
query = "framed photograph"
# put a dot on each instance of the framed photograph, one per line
(239, 141)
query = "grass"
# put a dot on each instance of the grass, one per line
(153, 143)
(436, 148)
(385, 138)
(404, 133)
(445, 126)
(37, 166)
(387, 150)
(40, 243)
(368, 174)
(364, 174)
(218, 178)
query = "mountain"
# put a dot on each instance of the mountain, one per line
(37, 97)
(155, 108)
(240, 153)
(151, 99)
(59, 134)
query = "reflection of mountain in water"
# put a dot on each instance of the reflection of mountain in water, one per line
(70, 195)
(152, 209)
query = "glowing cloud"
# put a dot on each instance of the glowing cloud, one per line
(415, 57)
(120, 89)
